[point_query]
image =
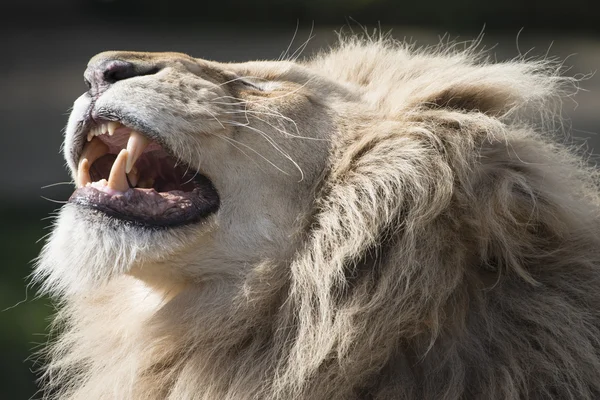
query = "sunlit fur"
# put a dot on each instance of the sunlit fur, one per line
(417, 234)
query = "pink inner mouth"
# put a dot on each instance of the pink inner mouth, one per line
(128, 176)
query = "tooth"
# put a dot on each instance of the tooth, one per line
(99, 184)
(83, 173)
(103, 129)
(117, 179)
(112, 127)
(135, 146)
(90, 135)
(93, 150)
(133, 176)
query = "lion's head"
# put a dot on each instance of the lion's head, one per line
(376, 222)
(220, 157)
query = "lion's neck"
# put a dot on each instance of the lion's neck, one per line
(144, 344)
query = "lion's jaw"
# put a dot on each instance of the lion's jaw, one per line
(243, 126)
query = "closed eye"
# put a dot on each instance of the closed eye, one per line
(251, 84)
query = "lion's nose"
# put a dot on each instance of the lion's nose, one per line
(99, 76)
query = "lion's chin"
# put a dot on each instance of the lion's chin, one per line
(88, 248)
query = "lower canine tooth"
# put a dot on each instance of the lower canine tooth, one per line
(83, 173)
(91, 152)
(117, 179)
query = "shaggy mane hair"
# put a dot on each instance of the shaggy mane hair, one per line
(453, 252)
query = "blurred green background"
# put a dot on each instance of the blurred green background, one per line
(45, 45)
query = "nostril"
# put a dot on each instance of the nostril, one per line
(118, 70)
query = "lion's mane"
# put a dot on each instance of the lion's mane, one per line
(453, 252)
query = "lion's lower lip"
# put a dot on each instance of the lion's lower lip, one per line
(150, 208)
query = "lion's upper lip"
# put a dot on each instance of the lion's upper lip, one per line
(127, 175)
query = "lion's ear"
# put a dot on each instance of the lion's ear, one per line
(493, 89)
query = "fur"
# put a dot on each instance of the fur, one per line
(418, 233)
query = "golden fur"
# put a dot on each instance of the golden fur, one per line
(395, 224)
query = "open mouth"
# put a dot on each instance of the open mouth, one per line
(128, 176)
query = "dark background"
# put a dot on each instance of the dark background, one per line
(45, 45)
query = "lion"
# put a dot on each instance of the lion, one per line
(377, 221)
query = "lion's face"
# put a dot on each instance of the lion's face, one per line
(188, 169)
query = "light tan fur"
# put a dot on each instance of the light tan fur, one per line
(395, 223)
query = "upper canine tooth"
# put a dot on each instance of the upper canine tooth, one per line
(112, 127)
(135, 147)
(117, 179)
(90, 135)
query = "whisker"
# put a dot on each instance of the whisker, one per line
(54, 201)
(235, 123)
(239, 78)
(234, 143)
(275, 146)
(56, 184)
(213, 115)
(254, 114)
